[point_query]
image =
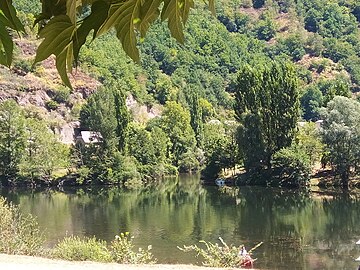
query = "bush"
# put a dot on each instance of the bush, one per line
(291, 167)
(122, 251)
(51, 104)
(220, 256)
(19, 234)
(73, 248)
(62, 94)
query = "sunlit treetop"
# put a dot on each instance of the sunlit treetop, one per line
(64, 28)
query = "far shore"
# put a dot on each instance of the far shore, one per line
(17, 262)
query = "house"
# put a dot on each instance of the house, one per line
(88, 137)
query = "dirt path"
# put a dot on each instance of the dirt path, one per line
(14, 262)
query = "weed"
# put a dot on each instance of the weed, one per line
(221, 256)
(19, 234)
(74, 248)
(122, 251)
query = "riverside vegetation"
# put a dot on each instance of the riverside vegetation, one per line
(230, 97)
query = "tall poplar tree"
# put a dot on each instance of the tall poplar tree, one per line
(196, 119)
(267, 107)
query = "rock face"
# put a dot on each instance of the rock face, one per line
(142, 113)
(34, 87)
(66, 132)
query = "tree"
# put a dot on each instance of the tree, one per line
(175, 121)
(341, 135)
(197, 118)
(267, 107)
(12, 139)
(311, 102)
(64, 27)
(107, 114)
(308, 141)
(43, 152)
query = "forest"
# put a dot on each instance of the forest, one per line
(266, 91)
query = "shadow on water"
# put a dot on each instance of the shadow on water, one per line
(300, 230)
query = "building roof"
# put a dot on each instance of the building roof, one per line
(90, 136)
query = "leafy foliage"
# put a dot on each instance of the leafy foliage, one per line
(291, 167)
(122, 251)
(341, 135)
(73, 248)
(65, 29)
(19, 234)
(12, 140)
(219, 256)
(267, 106)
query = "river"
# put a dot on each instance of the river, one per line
(300, 230)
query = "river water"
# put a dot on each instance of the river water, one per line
(300, 230)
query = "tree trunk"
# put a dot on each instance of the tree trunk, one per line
(345, 179)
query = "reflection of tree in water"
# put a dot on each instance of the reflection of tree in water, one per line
(342, 229)
(270, 215)
(300, 230)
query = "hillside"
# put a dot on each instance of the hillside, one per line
(192, 85)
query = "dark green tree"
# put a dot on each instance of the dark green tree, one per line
(197, 118)
(258, 3)
(106, 113)
(311, 102)
(267, 107)
(122, 118)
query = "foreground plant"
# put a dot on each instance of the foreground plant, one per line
(19, 234)
(221, 256)
(122, 251)
(74, 248)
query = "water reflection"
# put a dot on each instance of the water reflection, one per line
(299, 230)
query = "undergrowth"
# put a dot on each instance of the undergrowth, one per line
(19, 234)
(223, 256)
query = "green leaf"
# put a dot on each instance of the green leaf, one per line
(71, 9)
(122, 17)
(58, 40)
(148, 14)
(57, 34)
(188, 4)
(6, 47)
(212, 7)
(99, 12)
(9, 12)
(172, 12)
(62, 64)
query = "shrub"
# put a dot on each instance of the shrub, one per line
(24, 65)
(19, 234)
(51, 104)
(62, 94)
(291, 167)
(219, 256)
(122, 251)
(73, 248)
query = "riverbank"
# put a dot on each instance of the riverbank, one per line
(16, 262)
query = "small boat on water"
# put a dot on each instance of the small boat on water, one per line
(358, 242)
